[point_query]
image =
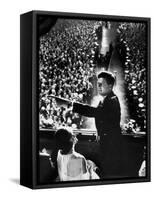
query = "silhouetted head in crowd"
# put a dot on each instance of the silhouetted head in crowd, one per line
(65, 140)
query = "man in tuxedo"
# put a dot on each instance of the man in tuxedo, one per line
(107, 119)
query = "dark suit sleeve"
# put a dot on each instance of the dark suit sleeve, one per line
(83, 109)
(108, 110)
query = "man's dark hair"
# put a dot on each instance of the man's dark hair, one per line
(63, 142)
(108, 76)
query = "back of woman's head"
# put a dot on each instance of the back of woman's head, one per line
(63, 140)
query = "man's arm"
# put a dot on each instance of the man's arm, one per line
(84, 110)
(107, 110)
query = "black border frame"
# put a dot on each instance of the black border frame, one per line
(29, 118)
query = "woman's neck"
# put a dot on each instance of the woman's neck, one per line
(71, 150)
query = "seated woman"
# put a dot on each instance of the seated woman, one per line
(72, 165)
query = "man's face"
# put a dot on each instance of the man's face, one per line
(103, 87)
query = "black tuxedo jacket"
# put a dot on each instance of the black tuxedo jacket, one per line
(107, 115)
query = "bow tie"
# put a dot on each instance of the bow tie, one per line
(101, 103)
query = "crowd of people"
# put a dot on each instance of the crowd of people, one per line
(67, 61)
(68, 57)
(131, 46)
